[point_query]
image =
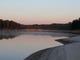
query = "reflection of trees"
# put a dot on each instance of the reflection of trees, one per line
(6, 37)
(10, 34)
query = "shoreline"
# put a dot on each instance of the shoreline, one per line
(71, 47)
(65, 52)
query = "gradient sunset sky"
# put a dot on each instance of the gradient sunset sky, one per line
(40, 11)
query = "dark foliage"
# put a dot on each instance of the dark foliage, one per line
(50, 26)
(6, 24)
(75, 25)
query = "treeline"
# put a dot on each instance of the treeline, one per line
(75, 24)
(49, 26)
(6, 24)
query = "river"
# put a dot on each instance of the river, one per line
(17, 45)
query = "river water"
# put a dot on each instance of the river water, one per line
(17, 45)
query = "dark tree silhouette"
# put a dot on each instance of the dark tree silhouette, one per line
(6, 24)
(75, 25)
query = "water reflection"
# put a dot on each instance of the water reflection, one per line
(10, 34)
(18, 44)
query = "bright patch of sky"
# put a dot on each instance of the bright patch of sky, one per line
(40, 11)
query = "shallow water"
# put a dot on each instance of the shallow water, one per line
(17, 45)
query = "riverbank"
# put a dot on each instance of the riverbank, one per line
(70, 40)
(65, 52)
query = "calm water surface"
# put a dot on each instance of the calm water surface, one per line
(16, 45)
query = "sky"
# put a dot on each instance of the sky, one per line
(40, 11)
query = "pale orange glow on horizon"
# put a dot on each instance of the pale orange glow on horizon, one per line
(40, 11)
(40, 20)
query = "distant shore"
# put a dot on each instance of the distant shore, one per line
(45, 30)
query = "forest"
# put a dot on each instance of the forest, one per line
(7, 24)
